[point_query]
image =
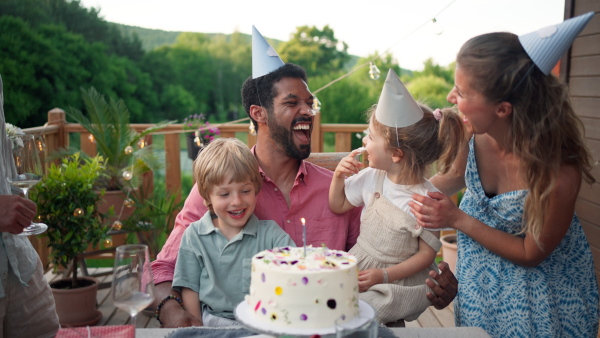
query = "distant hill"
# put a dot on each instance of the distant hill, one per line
(154, 38)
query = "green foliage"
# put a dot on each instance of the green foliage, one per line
(52, 48)
(430, 90)
(108, 122)
(154, 215)
(318, 51)
(65, 189)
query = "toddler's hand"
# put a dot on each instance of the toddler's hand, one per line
(348, 165)
(368, 278)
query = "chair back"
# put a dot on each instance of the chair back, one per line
(327, 160)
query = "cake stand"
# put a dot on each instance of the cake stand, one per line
(243, 314)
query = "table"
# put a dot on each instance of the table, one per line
(437, 332)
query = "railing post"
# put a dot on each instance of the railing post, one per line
(316, 144)
(56, 116)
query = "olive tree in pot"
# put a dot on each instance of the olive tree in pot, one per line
(67, 201)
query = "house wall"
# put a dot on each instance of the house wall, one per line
(582, 73)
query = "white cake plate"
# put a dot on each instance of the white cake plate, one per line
(243, 314)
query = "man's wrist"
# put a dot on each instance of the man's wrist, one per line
(166, 304)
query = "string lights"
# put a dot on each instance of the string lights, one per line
(127, 175)
(429, 21)
(374, 72)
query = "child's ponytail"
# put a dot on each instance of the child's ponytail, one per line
(451, 136)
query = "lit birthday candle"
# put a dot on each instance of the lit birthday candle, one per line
(304, 234)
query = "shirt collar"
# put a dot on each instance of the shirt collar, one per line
(302, 172)
(207, 227)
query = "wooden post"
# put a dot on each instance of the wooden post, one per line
(343, 142)
(56, 116)
(316, 145)
(173, 167)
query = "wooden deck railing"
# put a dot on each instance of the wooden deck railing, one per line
(56, 134)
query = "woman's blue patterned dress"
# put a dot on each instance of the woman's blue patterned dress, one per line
(558, 298)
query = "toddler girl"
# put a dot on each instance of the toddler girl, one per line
(394, 253)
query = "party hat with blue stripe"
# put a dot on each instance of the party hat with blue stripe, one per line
(264, 58)
(546, 46)
(396, 107)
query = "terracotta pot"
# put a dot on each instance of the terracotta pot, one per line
(449, 250)
(77, 307)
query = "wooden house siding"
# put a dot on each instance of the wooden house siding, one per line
(582, 73)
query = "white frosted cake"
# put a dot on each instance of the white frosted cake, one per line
(293, 291)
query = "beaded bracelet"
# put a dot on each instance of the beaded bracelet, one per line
(167, 298)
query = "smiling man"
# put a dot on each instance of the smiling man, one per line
(277, 100)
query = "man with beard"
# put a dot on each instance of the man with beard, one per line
(277, 100)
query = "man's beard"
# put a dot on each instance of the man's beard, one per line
(284, 137)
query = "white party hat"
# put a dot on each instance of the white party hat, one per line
(264, 58)
(396, 107)
(546, 46)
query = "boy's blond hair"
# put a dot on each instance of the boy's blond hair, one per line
(221, 158)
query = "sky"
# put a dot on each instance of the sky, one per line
(401, 27)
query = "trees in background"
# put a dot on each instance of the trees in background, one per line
(52, 48)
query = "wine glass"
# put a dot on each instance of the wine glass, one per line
(29, 173)
(133, 284)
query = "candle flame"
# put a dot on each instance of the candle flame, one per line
(302, 220)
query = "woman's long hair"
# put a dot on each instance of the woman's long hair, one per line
(545, 131)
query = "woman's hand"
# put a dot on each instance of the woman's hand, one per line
(368, 278)
(436, 211)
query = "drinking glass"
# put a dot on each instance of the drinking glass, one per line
(133, 285)
(29, 173)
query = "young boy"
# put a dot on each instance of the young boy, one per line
(213, 267)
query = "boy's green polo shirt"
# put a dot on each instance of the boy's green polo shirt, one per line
(218, 269)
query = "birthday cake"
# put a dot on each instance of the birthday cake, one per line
(289, 289)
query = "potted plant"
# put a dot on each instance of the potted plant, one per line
(67, 201)
(154, 217)
(201, 133)
(126, 153)
(124, 150)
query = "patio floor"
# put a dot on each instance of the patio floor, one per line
(113, 316)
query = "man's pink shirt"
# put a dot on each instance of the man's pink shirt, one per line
(309, 199)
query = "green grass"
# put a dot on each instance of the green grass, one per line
(100, 263)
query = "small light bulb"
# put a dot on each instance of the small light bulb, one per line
(40, 144)
(374, 71)
(252, 129)
(128, 150)
(108, 243)
(91, 138)
(127, 175)
(78, 212)
(438, 28)
(117, 225)
(38, 218)
(129, 203)
(142, 143)
(316, 105)
(198, 141)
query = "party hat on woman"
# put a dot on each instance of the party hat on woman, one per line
(547, 45)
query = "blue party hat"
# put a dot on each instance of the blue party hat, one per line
(264, 58)
(546, 46)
